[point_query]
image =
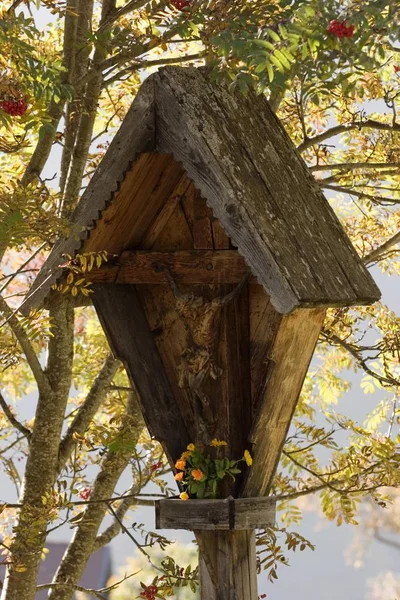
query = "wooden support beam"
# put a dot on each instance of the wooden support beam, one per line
(125, 324)
(207, 267)
(227, 514)
(290, 357)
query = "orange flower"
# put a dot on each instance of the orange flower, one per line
(179, 476)
(180, 464)
(197, 474)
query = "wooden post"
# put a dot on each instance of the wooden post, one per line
(225, 534)
(228, 565)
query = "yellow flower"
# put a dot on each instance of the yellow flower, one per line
(179, 476)
(186, 455)
(184, 496)
(247, 458)
(190, 447)
(197, 474)
(217, 443)
(180, 464)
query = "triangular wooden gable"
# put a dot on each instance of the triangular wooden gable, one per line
(240, 158)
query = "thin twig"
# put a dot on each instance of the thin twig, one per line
(353, 165)
(78, 588)
(12, 419)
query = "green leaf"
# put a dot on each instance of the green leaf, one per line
(273, 35)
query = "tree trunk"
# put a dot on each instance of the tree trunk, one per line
(41, 468)
(82, 545)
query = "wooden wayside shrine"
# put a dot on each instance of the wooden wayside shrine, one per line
(224, 255)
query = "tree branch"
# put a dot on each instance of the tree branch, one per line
(88, 409)
(124, 10)
(374, 255)
(78, 588)
(338, 129)
(145, 64)
(27, 348)
(355, 353)
(12, 419)
(345, 190)
(353, 165)
(54, 113)
(380, 538)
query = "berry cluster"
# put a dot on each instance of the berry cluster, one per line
(14, 107)
(85, 493)
(396, 68)
(149, 592)
(156, 466)
(180, 4)
(340, 29)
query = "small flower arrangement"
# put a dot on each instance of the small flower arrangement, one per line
(201, 474)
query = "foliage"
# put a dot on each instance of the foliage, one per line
(338, 97)
(202, 475)
(177, 582)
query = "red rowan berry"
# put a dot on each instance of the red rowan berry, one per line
(14, 107)
(180, 4)
(340, 29)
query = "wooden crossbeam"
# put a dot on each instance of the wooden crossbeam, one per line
(209, 514)
(186, 267)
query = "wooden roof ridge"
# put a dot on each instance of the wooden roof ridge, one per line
(239, 156)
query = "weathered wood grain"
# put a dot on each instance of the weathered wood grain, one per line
(186, 267)
(212, 515)
(264, 325)
(202, 227)
(291, 354)
(123, 224)
(159, 223)
(267, 209)
(228, 565)
(221, 240)
(125, 324)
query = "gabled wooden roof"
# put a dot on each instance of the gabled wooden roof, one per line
(238, 155)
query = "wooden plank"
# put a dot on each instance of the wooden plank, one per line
(183, 137)
(125, 324)
(221, 239)
(195, 267)
(264, 324)
(165, 213)
(123, 224)
(176, 234)
(216, 514)
(232, 561)
(202, 228)
(291, 354)
(259, 201)
(234, 404)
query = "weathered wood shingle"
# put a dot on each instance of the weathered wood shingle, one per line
(240, 158)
